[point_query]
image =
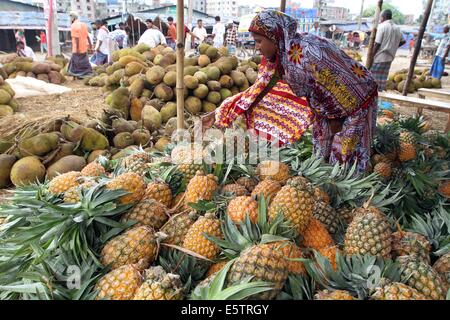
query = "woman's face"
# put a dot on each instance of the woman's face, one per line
(267, 48)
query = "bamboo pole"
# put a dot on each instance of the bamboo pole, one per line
(370, 56)
(180, 64)
(418, 45)
(283, 6)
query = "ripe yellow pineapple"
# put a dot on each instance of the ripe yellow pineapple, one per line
(268, 188)
(444, 188)
(216, 267)
(442, 266)
(387, 113)
(121, 283)
(274, 170)
(421, 276)
(262, 263)
(396, 291)
(368, 233)
(189, 170)
(178, 226)
(295, 203)
(73, 195)
(316, 236)
(407, 152)
(130, 247)
(160, 192)
(289, 250)
(131, 182)
(330, 254)
(247, 182)
(93, 169)
(201, 187)
(196, 241)
(241, 206)
(409, 243)
(333, 295)
(383, 169)
(64, 182)
(321, 195)
(407, 137)
(148, 212)
(159, 285)
(234, 189)
(137, 163)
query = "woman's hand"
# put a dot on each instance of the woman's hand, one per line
(208, 120)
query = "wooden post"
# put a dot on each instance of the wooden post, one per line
(283, 6)
(418, 45)
(180, 64)
(373, 35)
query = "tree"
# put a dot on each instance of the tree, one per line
(397, 16)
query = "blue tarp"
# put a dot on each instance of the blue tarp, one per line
(33, 20)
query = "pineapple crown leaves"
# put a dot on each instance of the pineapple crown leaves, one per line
(82, 227)
(357, 274)
(298, 287)
(216, 289)
(387, 138)
(239, 236)
(412, 124)
(295, 153)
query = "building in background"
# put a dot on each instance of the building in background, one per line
(199, 5)
(244, 10)
(440, 12)
(409, 19)
(222, 8)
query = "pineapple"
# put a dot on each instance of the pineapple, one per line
(383, 169)
(93, 169)
(444, 188)
(333, 295)
(121, 283)
(130, 247)
(268, 188)
(241, 206)
(442, 266)
(386, 142)
(396, 291)
(64, 182)
(201, 187)
(421, 276)
(316, 236)
(196, 241)
(131, 182)
(148, 212)
(234, 189)
(188, 170)
(368, 233)
(274, 170)
(330, 254)
(321, 195)
(159, 285)
(73, 195)
(216, 267)
(295, 203)
(261, 262)
(248, 183)
(346, 213)
(178, 226)
(407, 152)
(160, 192)
(407, 137)
(137, 163)
(178, 200)
(327, 215)
(289, 250)
(409, 243)
(387, 113)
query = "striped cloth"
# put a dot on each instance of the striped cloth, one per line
(380, 72)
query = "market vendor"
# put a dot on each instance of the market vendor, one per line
(341, 93)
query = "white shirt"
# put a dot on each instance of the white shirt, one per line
(28, 52)
(388, 37)
(219, 32)
(201, 33)
(103, 36)
(152, 38)
(118, 34)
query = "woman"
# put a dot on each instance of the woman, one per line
(340, 91)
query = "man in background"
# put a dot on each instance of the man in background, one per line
(152, 36)
(199, 33)
(120, 36)
(171, 33)
(79, 65)
(388, 40)
(43, 41)
(218, 33)
(437, 69)
(20, 36)
(24, 51)
(230, 37)
(101, 53)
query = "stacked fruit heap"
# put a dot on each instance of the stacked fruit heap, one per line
(141, 228)
(141, 82)
(421, 79)
(50, 71)
(8, 105)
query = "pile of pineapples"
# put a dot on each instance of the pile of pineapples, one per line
(148, 227)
